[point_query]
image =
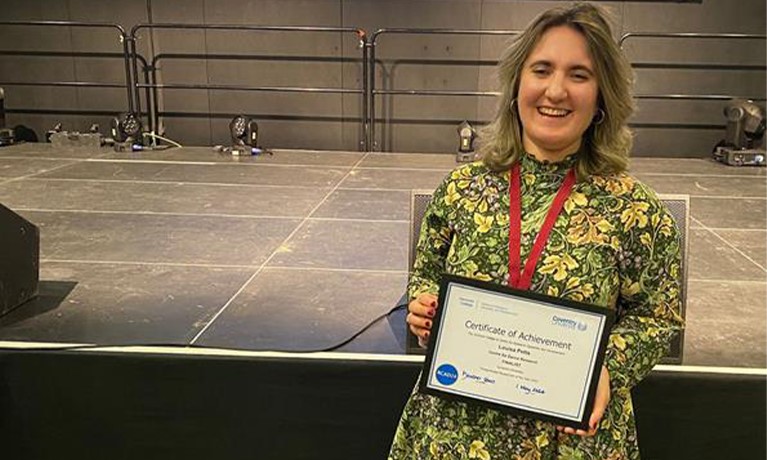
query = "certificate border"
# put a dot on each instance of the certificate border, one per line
(556, 302)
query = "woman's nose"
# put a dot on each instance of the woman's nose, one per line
(556, 89)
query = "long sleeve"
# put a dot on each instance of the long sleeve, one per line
(433, 244)
(650, 289)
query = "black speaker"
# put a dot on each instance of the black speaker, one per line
(19, 260)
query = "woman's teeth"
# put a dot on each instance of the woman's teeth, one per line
(550, 112)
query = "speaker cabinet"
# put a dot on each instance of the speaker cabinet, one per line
(19, 260)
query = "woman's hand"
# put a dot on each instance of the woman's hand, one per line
(600, 405)
(421, 310)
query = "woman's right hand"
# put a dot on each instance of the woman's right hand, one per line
(421, 311)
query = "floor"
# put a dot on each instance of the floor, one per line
(299, 250)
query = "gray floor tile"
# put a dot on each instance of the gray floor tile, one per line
(202, 173)
(729, 212)
(284, 157)
(285, 309)
(251, 200)
(747, 187)
(347, 245)
(690, 166)
(752, 243)
(366, 204)
(726, 324)
(712, 259)
(121, 304)
(46, 150)
(393, 179)
(410, 160)
(20, 167)
(158, 238)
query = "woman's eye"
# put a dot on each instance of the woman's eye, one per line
(580, 76)
(540, 71)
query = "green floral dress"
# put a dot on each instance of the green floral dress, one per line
(613, 245)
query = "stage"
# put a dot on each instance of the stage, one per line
(224, 260)
(300, 249)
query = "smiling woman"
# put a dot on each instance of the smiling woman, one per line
(551, 209)
(557, 97)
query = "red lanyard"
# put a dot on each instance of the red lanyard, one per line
(523, 280)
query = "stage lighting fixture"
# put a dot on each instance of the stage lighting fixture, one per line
(744, 133)
(466, 136)
(745, 123)
(244, 131)
(127, 127)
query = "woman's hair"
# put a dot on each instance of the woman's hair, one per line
(606, 145)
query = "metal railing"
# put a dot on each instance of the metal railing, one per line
(373, 92)
(153, 86)
(135, 64)
(693, 66)
(76, 84)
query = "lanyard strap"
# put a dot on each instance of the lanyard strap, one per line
(523, 280)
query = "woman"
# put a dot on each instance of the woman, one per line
(561, 129)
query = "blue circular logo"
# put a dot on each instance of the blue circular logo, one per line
(447, 374)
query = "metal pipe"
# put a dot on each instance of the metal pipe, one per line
(76, 84)
(441, 32)
(283, 89)
(178, 25)
(696, 66)
(628, 35)
(372, 54)
(65, 24)
(120, 29)
(695, 97)
(371, 94)
(361, 34)
(128, 80)
(426, 92)
(365, 96)
(136, 107)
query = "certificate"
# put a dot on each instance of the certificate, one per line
(516, 351)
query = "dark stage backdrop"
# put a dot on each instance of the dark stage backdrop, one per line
(95, 405)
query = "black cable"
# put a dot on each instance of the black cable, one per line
(53, 347)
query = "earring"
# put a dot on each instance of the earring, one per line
(599, 118)
(512, 105)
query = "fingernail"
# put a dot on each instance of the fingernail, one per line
(430, 313)
(428, 324)
(433, 304)
(426, 334)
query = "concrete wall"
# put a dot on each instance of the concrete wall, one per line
(331, 121)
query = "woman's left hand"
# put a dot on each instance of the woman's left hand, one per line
(600, 405)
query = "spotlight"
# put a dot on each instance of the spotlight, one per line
(745, 129)
(126, 128)
(466, 136)
(745, 123)
(244, 131)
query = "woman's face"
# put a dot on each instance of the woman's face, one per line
(557, 96)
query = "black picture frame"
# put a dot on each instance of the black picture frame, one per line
(435, 337)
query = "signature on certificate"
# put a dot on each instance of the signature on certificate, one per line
(530, 390)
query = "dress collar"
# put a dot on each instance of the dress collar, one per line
(531, 164)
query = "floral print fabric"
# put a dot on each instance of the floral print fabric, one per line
(613, 245)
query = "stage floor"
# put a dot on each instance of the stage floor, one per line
(299, 250)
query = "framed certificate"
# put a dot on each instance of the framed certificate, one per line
(516, 351)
